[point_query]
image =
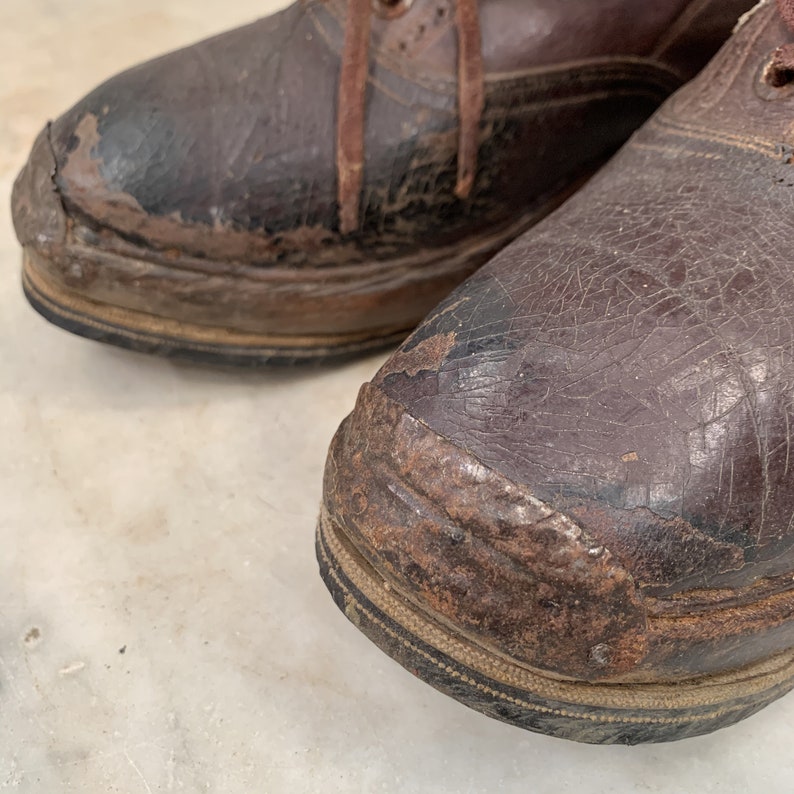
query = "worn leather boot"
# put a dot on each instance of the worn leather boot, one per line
(310, 185)
(568, 499)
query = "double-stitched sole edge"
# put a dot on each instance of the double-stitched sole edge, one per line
(585, 712)
(147, 333)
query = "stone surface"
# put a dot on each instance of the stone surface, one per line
(162, 624)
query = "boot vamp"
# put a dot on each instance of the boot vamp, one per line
(227, 149)
(226, 132)
(631, 358)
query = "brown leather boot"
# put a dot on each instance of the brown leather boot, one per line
(568, 499)
(311, 185)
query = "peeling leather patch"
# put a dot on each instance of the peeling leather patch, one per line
(429, 354)
(82, 174)
(83, 184)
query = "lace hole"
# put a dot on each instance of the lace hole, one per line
(391, 9)
(773, 86)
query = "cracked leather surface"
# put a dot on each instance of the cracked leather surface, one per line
(226, 149)
(632, 358)
(201, 187)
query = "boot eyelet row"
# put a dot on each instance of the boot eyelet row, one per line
(391, 9)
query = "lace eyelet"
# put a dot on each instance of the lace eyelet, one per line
(766, 86)
(391, 9)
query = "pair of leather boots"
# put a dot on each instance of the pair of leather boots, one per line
(567, 500)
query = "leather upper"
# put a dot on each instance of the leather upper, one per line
(632, 358)
(226, 149)
(608, 405)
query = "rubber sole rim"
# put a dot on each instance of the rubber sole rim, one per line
(581, 711)
(144, 333)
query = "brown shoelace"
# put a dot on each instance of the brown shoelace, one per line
(351, 111)
(781, 69)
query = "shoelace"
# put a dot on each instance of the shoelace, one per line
(781, 69)
(351, 110)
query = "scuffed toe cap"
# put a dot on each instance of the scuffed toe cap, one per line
(478, 551)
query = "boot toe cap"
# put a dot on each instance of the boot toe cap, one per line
(478, 551)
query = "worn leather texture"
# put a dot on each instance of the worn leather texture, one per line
(629, 363)
(224, 152)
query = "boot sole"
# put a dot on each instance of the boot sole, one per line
(147, 333)
(528, 698)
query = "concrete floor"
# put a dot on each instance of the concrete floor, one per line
(162, 625)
